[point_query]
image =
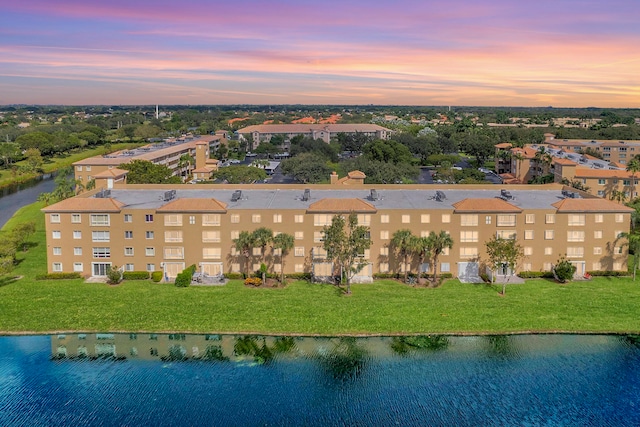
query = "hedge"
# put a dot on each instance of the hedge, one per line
(535, 275)
(58, 276)
(156, 276)
(609, 273)
(184, 279)
(137, 275)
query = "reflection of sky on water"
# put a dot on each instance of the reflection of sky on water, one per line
(513, 380)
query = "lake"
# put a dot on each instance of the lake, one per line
(16, 196)
(224, 380)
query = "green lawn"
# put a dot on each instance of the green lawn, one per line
(386, 307)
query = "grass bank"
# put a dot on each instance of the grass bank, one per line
(602, 305)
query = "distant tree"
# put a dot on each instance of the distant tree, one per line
(388, 151)
(378, 172)
(634, 167)
(402, 241)
(33, 159)
(9, 153)
(20, 234)
(240, 174)
(307, 168)
(503, 252)
(145, 172)
(353, 141)
(633, 242)
(147, 132)
(345, 241)
(284, 242)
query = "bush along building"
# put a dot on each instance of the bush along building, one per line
(169, 228)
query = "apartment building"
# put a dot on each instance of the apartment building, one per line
(167, 228)
(325, 132)
(615, 151)
(166, 153)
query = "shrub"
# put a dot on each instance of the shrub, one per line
(253, 281)
(156, 276)
(298, 276)
(114, 275)
(535, 274)
(564, 270)
(137, 275)
(233, 276)
(609, 273)
(58, 276)
(485, 277)
(183, 279)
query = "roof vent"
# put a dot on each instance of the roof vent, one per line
(373, 195)
(440, 196)
(306, 195)
(506, 194)
(169, 195)
(104, 193)
(237, 195)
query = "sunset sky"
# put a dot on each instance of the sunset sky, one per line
(564, 53)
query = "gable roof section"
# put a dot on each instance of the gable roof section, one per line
(342, 206)
(194, 205)
(485, 205)
(112, 173)
(590, 205)
(602, 173)
(81, 204)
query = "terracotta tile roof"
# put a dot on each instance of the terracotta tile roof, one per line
(485, 205)
(504, 145)
(590, 205)
(509, 178)
(602, 173)
(306, 128)
(112, 173)
(341, 205)
(528, 153)
(356, 174)
(85, 204)
(562, 161)
(204, 169)
(194, 205)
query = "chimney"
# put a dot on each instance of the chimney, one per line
(334, 177)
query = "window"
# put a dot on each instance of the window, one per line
(77, 234)
(128, 218)
(384, 267)
(576, 219)
(77, 251)
(406, 219)
(384, 219)
(526, 266)
(100, 236)
(487, 219)
(128, 267)
(151, 267)
(469, 220)
(528, 251)
(596, 266)
(149, 251)
(79, 168)
(173, 220)
(101, 252)
(425, 218)
(506, 234)
(173, 236)
(548, 234)
(257, 252)
(384, 251)
(618, 250)
(211, 253)
(277, 218)
(597, 234)
(54, 218)
(235, 234)
(575, 252)
(99, 219)
(546, 266)
(528, 234)
(445, 267)
(599, 218)
(298, 268)
(57, 251)
(235, 218)
(128, 251)
(364, 219)
(575, 236)
(619, 217)
(549, 219)
(192, 219)
(384, 234)
(445, 251)
(77, 267)
(298, 251)
(597, 250)
(468, 252)
(173, 252)
(56, 234)
(530, 219)
(548, 251)
(149, 235)
(57, 267)
(88, 168)
(602, 181)
(506, 221)
(601, 193)
(148, 218)
(298, 219)
(211, 236)
(76, 218)
(128, 234)
(256, 218)
(446, 218)
(318, 236)
(468, 236)
(322, 219)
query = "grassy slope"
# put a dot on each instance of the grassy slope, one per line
(601, 305)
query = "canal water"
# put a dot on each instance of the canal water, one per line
(16, 196)
(212, 380)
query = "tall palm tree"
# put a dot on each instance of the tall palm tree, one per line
(284, 242)
(437, 244)
(262, 237)
(634, 167)
(519, 157)
(243, 244)
(633, 241)
(421, 247)
(401, 241)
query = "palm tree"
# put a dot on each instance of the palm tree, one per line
(618, 196)
(186, 160)
(420, 246)
(262, 237)
(633, 241)
(519, 158)
(243, 244)
(284, 242)
(401, 240)
(437, 244)
(633, 166)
